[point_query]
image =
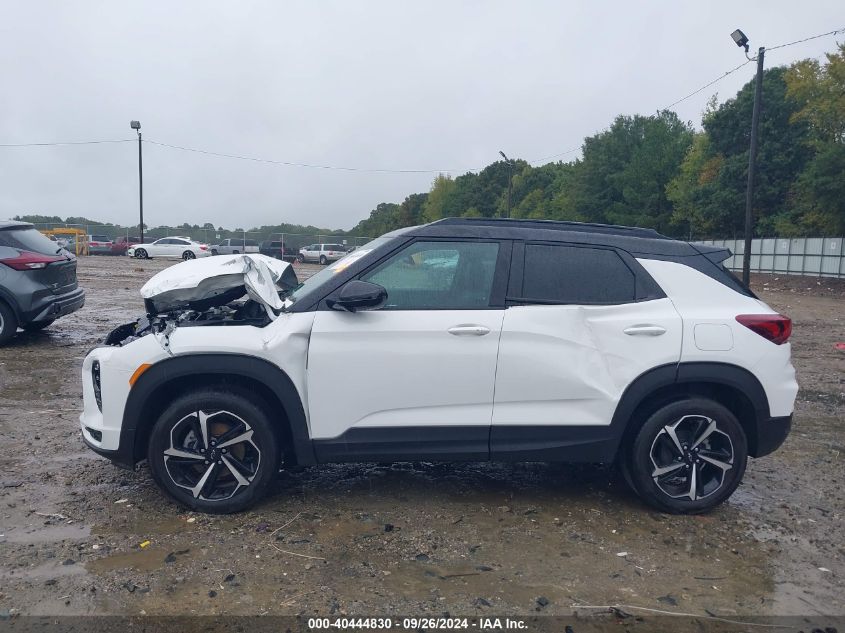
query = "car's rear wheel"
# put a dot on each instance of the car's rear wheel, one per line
(214, 451)
(323, 260)
(8, 323)
(688, 457)
(37, 326)
(236, 252)
(188, 255)
(140, 253)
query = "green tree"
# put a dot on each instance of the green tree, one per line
(624, 172)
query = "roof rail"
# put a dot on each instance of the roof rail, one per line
(558, 225)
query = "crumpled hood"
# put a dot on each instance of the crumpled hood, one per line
(200, 284)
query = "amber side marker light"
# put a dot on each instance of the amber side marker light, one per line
(137, 373)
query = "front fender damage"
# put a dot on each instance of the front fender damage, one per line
(223, 290)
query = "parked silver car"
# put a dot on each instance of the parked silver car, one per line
(233, 246)
(323, 253)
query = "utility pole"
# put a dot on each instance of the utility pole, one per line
(136, 125)
(741, 40)
(510, 181)
(752, 167)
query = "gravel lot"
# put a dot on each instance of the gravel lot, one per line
(419, 538)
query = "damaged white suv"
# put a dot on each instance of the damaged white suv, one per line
(458, 340)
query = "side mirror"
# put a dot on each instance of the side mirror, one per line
(358, 295)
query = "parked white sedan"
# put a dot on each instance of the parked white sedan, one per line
(170, 247)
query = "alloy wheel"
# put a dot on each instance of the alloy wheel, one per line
(212, 455)
(690, 457)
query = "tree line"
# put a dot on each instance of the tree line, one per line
(659, 172)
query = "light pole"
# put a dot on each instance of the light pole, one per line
(741, 40)
(136, 125)
(510, 180)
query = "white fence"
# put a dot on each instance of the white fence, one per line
(812, 256)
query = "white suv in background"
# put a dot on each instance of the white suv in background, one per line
(322, 253)
(463, 339)
(174, 247)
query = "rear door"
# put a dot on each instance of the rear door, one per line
(582, 323)
(414, 378)
(177, 247)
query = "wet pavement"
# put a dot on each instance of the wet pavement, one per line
(80, 536)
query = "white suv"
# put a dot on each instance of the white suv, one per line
(323, 253)
(462, 339)
(170, 247)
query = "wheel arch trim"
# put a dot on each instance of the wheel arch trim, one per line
(241, 366)
(728, 375)
(9, 299)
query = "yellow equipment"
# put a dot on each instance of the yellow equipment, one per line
(80, 239)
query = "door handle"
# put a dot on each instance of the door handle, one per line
(469, 330)
(645, 330)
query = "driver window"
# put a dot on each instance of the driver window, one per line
(438, 275)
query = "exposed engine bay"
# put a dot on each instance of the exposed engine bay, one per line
(224, 290)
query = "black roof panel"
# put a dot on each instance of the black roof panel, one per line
(637, 241)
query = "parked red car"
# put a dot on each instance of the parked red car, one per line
(121, 244)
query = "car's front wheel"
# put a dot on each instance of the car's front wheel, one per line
(300, 259)
(214, 451)
(140, 253)
(688, 457)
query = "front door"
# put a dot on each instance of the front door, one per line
(415, 378)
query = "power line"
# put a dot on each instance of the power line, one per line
(569, 151)
(307, 165)
(707, 85)
(122, 140)
(806, 39)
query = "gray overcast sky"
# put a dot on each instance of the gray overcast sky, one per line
(399, 85)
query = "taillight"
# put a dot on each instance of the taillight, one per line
(203, 247)
(27, 260)
(773, 327)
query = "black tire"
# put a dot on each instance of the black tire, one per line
(236, 252)
(8, 323)
(697, 447)
(140, 253)
(214, 251)
(323, 260)
(300, 259)
(235, 413)
(188, 255)
(37, 326)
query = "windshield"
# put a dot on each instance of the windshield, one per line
(313, 283)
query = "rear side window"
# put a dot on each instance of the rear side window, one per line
(28, 240)
(576, 275)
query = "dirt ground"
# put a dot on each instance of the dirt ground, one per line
(419, 538)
